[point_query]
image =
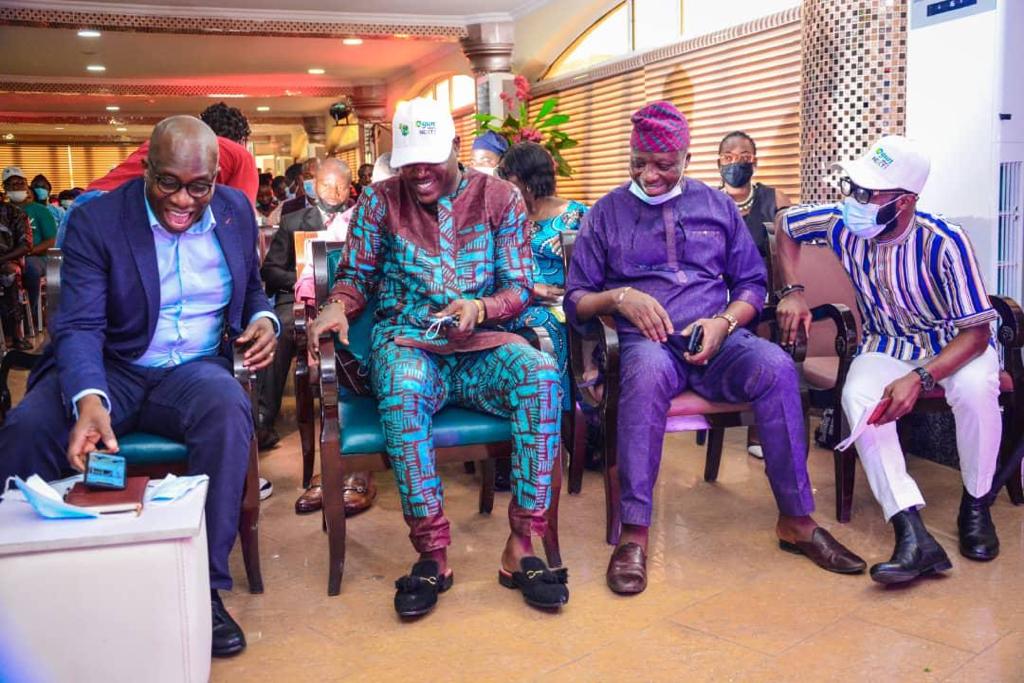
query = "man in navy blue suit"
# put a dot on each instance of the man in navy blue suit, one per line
(153, 274)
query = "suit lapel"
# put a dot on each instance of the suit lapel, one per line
(227, 234)
(143, 249)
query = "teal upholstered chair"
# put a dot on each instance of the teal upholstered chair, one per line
(156, 456)
(351, 438)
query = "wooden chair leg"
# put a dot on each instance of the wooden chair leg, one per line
(486, 485)
(845, 462)
(249, 522)
(612, 494)
(552, 549)
(702, 437)
(579, 450)
(307, 425)
(469, 467)
(332, 469)
(716, 439)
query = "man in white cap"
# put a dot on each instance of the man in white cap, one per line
(445, 253)
(926, 320)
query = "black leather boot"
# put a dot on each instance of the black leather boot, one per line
(978, 540)
(228, 638)
(916, 552)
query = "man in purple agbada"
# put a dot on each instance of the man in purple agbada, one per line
(661, 255)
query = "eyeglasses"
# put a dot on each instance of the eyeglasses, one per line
(168, 185)
(862, 194)
(742, 158)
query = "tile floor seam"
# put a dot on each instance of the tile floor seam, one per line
(978, 656)
(918, 637)
(865, 619)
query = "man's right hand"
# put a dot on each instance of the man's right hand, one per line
(331, 319)
(644, 311)
(793, 314)
(92, 427)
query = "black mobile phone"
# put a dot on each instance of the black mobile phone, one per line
(691, 344)
(105, 471)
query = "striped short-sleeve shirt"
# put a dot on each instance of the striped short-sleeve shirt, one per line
(913, 292)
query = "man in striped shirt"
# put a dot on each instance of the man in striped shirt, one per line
(926, 321)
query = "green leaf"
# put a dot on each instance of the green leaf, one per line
(485, 118)
(545, 109)
(554, 120)
(568, 143)
(511, 122)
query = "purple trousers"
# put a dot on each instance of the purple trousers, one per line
(745, 369)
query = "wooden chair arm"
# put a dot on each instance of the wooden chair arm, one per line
(54, 260)
(1011, 324)
(327, 369)
(601, 333)
(538, 338)
(302, 315)
(798, 351)
(245, 376)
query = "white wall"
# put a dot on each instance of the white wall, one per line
(708, 16)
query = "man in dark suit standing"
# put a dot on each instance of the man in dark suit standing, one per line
(153, 273)
(328, 214)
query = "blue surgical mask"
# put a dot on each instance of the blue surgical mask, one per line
(65, 203)
(863, 219)
(41, 193)
(657, 200)
(173, 487)
(46, 501)
(310, 187)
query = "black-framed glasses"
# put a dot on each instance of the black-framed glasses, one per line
(168, 184)
(862, 195)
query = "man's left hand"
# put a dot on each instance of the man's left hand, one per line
(715, 332)
(264, 340)
(466, 311)
(903, 394)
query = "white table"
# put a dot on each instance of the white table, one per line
(120, 598)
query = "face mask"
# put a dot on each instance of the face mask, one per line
(330, 208)
(638, 191)
(738, 174)
(17, 196)
(41, 193)
(486, 170)
(173, 487)
(65, 203)
(289, 194)
(45, 500)
(310, 187)
(868, 220)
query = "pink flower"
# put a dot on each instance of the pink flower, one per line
(507, 99)
(522, 88)
(530, 135)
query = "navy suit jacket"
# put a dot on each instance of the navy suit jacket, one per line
(110, 283)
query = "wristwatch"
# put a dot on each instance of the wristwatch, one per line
(729, 318)
(927, 381)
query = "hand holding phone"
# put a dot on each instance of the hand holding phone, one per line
(105, 471)
(879, 410)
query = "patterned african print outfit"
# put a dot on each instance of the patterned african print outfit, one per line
(417, 263)
(548, 269)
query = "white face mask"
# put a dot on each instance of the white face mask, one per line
(657, 200)
(862, 219)
(17, 196)
(65, 203)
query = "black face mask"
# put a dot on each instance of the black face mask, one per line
(331, 208)
(738, 174)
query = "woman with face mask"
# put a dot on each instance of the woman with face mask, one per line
(757, 203)
(41, 189)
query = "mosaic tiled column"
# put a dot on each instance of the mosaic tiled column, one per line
(854, 84)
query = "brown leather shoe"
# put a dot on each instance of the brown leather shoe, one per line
(826, 552)
(627, 570)
(358, 489)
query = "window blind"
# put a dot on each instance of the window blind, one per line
(65, 166)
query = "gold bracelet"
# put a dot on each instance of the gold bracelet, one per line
(483, 311)
(621, 296)
(332, 300)
(729, 318)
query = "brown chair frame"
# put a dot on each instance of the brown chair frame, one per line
(334, 466)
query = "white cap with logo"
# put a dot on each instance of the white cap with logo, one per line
(12, 172)
(891, 163)
(422, 132)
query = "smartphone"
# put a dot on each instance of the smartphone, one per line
(691, 344)
(105, 471)
(879, 411)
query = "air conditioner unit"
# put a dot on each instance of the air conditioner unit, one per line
(965, 104)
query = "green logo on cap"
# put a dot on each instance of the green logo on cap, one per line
(403, 128)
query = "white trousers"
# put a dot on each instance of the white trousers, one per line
(973, 394)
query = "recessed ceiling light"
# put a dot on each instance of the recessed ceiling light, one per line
(8, 136)
(96, 67)
(88, 33)
(401, 36)
(263, 107)
(121, 129)
(352, 41)
(227, 96)
(315, 72)
(113, 107)
(58, 127)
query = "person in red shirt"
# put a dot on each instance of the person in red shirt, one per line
(237, 165)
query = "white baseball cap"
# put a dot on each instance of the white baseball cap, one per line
(422, 132)
(12, 172)
(891, 163)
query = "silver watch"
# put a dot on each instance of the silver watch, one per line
(927, 381)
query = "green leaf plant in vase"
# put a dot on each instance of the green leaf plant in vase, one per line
(519, 127)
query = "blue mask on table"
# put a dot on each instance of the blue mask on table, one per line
(46, 501)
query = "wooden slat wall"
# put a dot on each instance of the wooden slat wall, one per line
(749, 83)
(599, 119)
(465, 124)
(87, 163)
(351, 157)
